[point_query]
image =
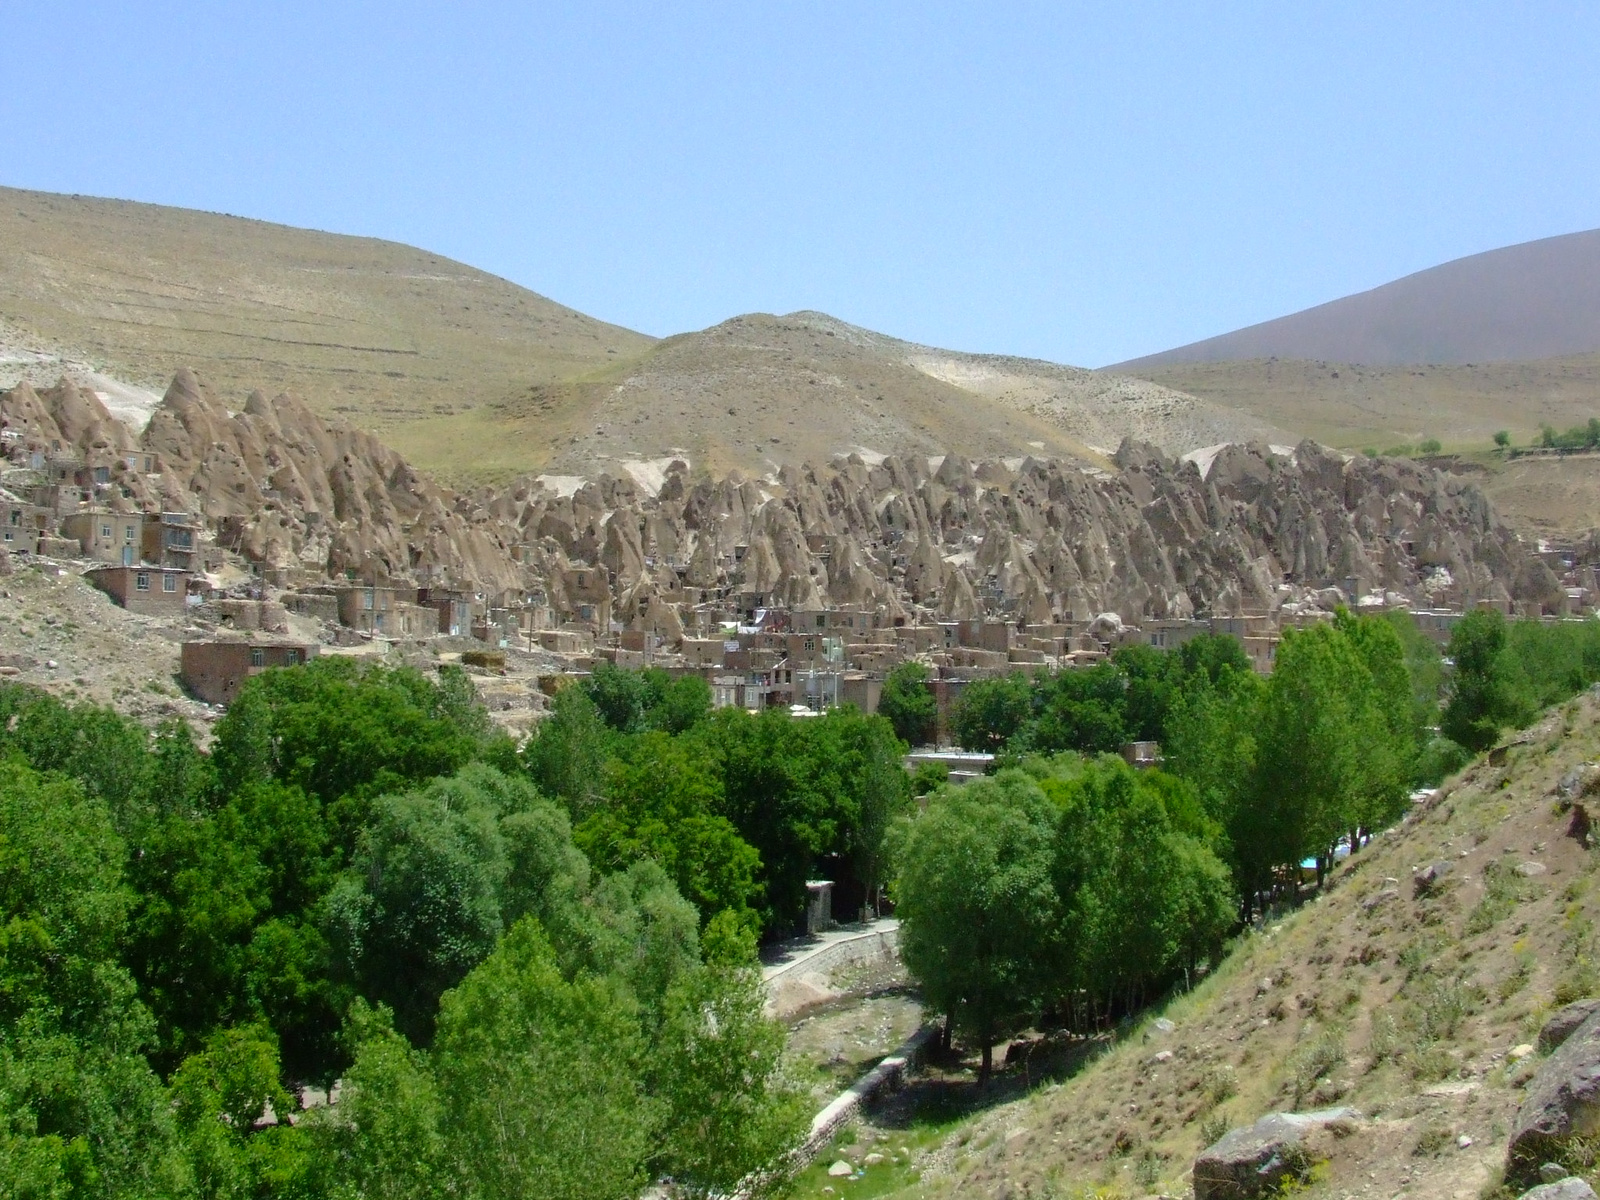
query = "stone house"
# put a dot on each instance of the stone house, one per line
(152, 591)
(214, 670)
(22, 524)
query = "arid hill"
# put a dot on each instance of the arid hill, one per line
(1539, 299)
(473, 377)
(760, 392)
(381, 331)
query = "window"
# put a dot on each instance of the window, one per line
(169, 583)
(366, 599)
(822, 620)
(16, 516)
(258, 657)
(142, 581)
(105, 531)
(127, 533)
(292, 657)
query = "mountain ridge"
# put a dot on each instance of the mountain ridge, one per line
(1533, 300)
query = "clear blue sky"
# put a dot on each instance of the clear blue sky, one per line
(1077, 182)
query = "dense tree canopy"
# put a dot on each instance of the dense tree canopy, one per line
(361, 879)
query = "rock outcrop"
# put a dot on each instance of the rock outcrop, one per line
(1561, 1102)
(1260, 1159)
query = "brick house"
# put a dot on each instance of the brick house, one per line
(214, 670)
(152, 591)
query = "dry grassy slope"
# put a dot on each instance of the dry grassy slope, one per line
(758, 391)
(1353, 406)
(383, 332)
(1345, 982)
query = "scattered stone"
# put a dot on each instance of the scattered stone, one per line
(1566, 1021)
(1383, 897)
(1520, 1052)
(1562, 1100)
(1259, 1159)
(1570, 1188)
(1164, 1025)
(1553, 1173)
(1463, 1142)
(1163, 1056)
(1430, 879)
(873, 1159)
(840, 1169)
(1531, 868)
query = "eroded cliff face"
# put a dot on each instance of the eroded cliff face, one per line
(915, 537)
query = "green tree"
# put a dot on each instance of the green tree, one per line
(731, 1113)
(218, 1095)
(81, 1113)
(991, 711)
(382, 1141)
(1502, 438)
(1483, 699)
(420, 905)
(908, 705)
(663, 802)
(978, 908)
(539, 1080)
(567, 755)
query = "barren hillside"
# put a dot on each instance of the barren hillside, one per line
(384, 332)
(1535, 300)
(1353, 406)
(758, 392)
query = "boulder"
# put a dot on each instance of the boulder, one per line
(1259, 1159)
(1562, 1101)
(1571, 1188)
(1431, 878)
(1565, 1021)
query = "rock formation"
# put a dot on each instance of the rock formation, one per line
(943, 538)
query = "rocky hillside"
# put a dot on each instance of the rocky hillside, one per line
(1413, 991)
(1035, 539)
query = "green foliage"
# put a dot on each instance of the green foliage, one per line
(978, 907)
(1483, 694)
(1579, 437)
(1429, 446)
(928, 777)
(717, 1066)
(540, 1080)
(342, 731)
(566, 758)
(908, 705)
(354, 840)
(1502, 438)
(991, 711)
(420, 905)
(663, 799)
(1143, 894)
(641, 701)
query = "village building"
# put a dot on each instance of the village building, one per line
(148, 590)
(215, 670)
(173, 540)
(107, 536)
